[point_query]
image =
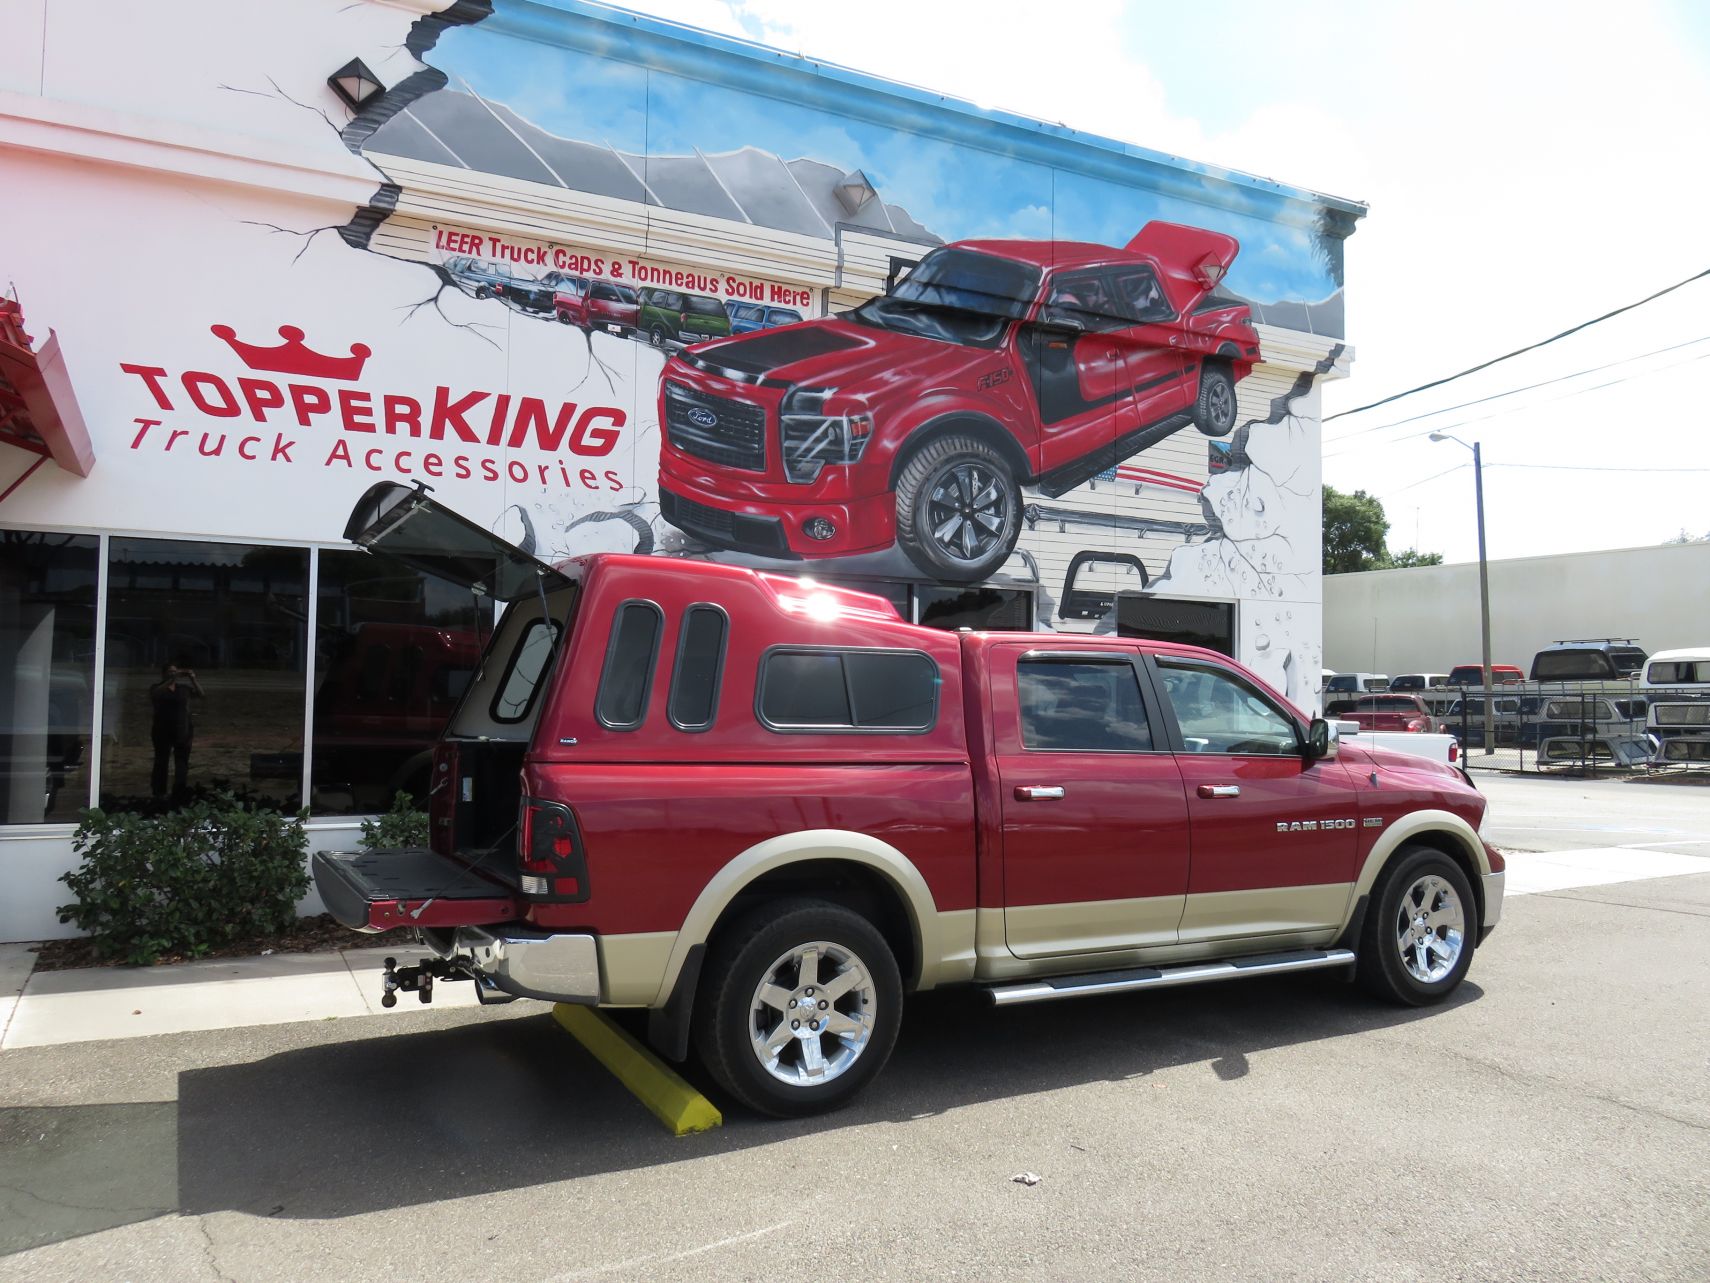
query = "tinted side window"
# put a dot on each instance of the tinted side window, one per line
(855, 690)
(622, 700)
(522, 676)
(1219, 712)
(700, 667)
(891, 689)
(1090, 705)
(804, 689)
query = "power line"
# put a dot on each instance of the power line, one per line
(1422, 480)
(1587, 467)
(1519, 409)
(1521, 351)
(1543, 467)
(1497, 396)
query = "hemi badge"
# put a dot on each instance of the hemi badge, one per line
(1374, 822)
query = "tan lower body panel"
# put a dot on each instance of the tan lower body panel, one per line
(1091, 926)
(1066, 939)
(957, 933)
(1264, 911)
(632, 968)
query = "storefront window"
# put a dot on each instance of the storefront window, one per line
(47, 674)
(394, 652)
(976, 608)
(206, 655)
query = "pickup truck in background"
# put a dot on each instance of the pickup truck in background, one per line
(1438, 746)
(1407, 713)
(766, 810)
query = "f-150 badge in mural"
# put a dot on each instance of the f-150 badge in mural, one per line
(917, 418)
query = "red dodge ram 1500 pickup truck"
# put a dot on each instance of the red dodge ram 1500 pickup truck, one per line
(766, 810)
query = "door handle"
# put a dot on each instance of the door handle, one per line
(1220, 790)
(1039, 792)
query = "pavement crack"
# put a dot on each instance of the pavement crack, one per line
(1526, 1080)
(65, 1204)
(1620, 904)
(208, 1250)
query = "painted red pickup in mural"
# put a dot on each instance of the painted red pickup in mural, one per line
(916, 418)
(765, 810)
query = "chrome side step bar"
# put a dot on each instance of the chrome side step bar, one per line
(1263, 964)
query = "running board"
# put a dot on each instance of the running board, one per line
(1263, 964)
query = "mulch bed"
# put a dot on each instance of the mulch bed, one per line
(311, 935)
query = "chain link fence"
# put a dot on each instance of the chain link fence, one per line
(1586, 728)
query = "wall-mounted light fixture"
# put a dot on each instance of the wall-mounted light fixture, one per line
(355, 84)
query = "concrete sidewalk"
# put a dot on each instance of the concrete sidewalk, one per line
(38, 1009)
(90, 1003)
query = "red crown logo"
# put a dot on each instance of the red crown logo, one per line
(294, 357)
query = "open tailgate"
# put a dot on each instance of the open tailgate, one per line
(408, 887)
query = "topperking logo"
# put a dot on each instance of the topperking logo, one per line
(293, 397)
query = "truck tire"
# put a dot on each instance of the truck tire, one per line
(1419, 935)
(1214, 408)
(958, 509)
(798, 1007)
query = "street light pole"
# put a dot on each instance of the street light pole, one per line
(1483, 587)
(1484, 603)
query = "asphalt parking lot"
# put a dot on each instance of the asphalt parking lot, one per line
(1551, 1122)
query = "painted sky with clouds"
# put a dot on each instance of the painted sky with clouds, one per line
(958, 192)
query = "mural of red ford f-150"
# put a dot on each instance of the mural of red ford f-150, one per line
(916, 418)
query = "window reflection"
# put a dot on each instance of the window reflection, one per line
(205, 673)
(47, 674)
(395, 650)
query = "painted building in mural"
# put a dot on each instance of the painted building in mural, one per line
(604, 284)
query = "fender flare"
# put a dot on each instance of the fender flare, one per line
(943, 418)
(794, 848)
(1412, 826)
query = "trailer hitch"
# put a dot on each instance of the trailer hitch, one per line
(419, 981)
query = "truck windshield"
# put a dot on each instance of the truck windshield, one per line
(700, 305)
(956, 296)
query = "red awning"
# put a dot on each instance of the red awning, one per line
(38, 410)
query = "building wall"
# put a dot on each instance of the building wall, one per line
(1426, 618)
(266, 301)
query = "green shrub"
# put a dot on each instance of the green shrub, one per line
(185, 882)
(403, 825)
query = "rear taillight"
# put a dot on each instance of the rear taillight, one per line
(550, 863)
(1416, 725)
(1454, 752)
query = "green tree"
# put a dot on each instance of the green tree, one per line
(1355, 536)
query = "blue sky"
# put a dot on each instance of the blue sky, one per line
(956, 191)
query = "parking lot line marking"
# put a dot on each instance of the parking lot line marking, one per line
(650, 1080)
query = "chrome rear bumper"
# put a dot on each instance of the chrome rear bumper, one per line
(554, 967)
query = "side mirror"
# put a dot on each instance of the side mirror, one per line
(1062, 322)
(1322, 741)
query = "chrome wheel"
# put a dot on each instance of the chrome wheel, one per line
(812, 1014)
(968, 511)
(1430, 929)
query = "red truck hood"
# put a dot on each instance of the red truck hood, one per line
(833, 353)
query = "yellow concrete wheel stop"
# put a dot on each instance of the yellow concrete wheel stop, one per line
(650, 1080)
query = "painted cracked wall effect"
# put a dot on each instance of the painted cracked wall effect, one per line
(1266, 546)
